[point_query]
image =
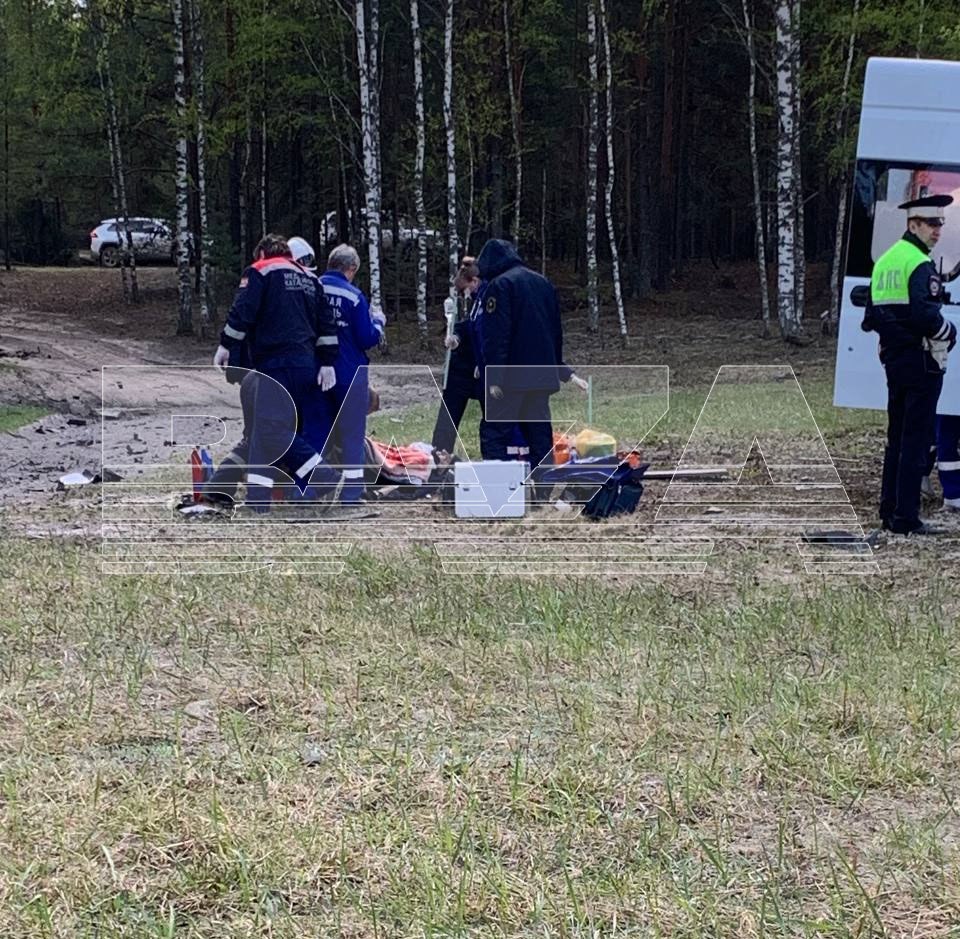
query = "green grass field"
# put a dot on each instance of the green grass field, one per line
(663, 420)
(403, 753)
(13, 416)
(489, 757)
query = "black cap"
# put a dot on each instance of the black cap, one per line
(927, 202)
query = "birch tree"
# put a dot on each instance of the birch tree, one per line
(242, 188)
(800, 256)
(203, 241)
(593, 106)
(839, 126)
(7, 93)
(375, 79)
(514, 91)
(543, 222)
(786, 171)
(263, 119)
(453, 239)
(184, 291)
(611, 173)
(118, 182)
(468, 231)
(367, 63)
(418, 170)
(759, 231)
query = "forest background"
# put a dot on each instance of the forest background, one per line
(617, 139)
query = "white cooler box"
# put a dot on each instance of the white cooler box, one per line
(490, 489)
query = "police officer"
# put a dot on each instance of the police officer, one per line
(522, 350)
(277, 318)
(357, 330)
(904, 309)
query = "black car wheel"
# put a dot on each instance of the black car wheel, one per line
(110, 256)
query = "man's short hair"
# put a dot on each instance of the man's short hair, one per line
(272, 246)
(468, 271)
(342, 258)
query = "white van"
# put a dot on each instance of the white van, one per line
(908, 147)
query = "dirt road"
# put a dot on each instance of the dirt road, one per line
(65, 335)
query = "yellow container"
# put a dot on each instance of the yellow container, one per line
(591, 443)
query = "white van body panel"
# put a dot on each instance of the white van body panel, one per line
(910, 114)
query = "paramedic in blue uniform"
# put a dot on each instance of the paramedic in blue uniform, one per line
(358, 330)
(316, 418)
(522, 351)
(278, 319)
(464, 383)
(904, 309)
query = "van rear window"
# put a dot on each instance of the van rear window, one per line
(875, 222)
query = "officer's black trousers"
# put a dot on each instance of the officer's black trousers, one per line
(531, 411)
(913, 388)
(455, 401)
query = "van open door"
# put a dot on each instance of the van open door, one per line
(908, 147)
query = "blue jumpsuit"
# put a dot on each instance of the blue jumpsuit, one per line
(948, 454)
(342, 412)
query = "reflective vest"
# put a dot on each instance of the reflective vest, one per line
(890, 282)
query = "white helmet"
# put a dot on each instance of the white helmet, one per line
(302, 253)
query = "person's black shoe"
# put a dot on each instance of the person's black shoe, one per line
(921, 528)
(927, 529)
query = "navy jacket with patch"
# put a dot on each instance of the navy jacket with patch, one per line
(520, 323)
(278, 316)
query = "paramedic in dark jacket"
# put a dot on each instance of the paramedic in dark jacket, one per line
(464, 376)
(522, 349)
(357, 331)
(278, 317)
(904, 308)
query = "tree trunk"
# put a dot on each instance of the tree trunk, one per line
(759, 239)
(786, 154)
(800, 281)
(230, 44)
(453, 239)
(128, 260)
(514, 92)
(495, 214)
(370, 121)
(470, 194)
(593, 106)
(665, 235)
(838, 132)
(7, 262)
(203, 242)
(611, 174)
(264, 185)
(418, 173)
(375, 79)
(184, 292)
(245, 252)
(543, 222)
